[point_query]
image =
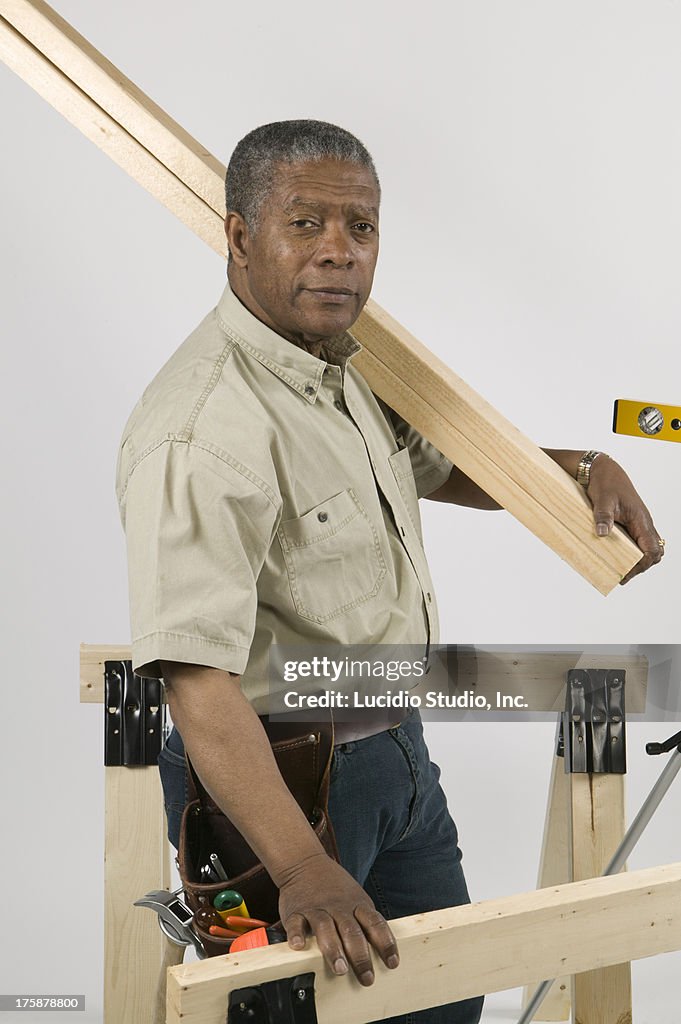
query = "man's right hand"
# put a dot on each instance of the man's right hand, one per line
(318, 896)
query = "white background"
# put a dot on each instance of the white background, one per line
(530, 157)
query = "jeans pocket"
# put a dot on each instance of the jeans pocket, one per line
(173, 772)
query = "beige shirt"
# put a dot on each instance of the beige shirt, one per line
(267, 498)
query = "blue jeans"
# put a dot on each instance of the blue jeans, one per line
(393, 830)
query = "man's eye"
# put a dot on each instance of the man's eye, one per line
(364, 227)
(303, 222)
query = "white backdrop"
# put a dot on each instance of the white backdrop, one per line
(530, 156)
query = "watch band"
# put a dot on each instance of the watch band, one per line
(584, 467)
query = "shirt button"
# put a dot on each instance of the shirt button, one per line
(339, 405)
(309, 390)
(322, 516)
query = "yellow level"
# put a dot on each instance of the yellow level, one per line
(647, 419)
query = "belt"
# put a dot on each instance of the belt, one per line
(350, 732)
(344, 731)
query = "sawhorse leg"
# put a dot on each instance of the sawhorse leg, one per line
(585, 824)
(136, 860)
(554, 869)
(598, 815)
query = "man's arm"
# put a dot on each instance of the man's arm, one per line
(231, 753)
(611, 492)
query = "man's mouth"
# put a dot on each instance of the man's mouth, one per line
(332, 294)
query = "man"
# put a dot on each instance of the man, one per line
(268, 498)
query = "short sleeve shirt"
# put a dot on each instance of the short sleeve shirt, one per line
(268, 498)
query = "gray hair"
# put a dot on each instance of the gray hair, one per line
(250, 174)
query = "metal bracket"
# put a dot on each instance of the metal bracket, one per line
(134, 716)
(285, 1001)
(593, 725)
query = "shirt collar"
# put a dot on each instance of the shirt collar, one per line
(296, 367)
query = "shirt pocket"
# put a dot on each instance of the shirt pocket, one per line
(333, 558)
(400, 463)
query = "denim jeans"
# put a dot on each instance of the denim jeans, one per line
(393, 830)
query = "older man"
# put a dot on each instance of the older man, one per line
(269, 498)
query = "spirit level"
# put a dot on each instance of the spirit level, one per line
(645, 419)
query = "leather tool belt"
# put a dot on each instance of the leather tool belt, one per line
(303, 754)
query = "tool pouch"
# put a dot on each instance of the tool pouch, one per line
(303, 755)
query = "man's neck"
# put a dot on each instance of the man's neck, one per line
(246, 299)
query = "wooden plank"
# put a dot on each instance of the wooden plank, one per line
(92, 658)
(554, 869)
(172, 956)
(104, 83)
(77, 107)
(486, 446)
(452, 954)
(597, 827)
(540, 677)
(136, 860)
(483, 443)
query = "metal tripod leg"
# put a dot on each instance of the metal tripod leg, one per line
(623, 851)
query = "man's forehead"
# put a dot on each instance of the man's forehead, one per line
(331, 180)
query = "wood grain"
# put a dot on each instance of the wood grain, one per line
(600, 996)
(136, 860)
(453, 954)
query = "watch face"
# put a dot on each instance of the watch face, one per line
(650, 420)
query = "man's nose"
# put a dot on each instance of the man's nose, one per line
(336, 246)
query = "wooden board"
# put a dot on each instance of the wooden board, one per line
(136, 860)
(69, 73)
(539, 677)
(554, 869)
(452, 954)
(125, 103)
(597, 828)
(486, 446)
(111, 137)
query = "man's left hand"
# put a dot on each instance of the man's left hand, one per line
(615, 500)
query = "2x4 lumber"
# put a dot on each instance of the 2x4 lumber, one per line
(136, 860)
(153, 149)
(452, 954)
(172, 956)
(119, 97)
(486, 446)
(597, 828)
(554, 869)
(111, 137)
(539, 677)
(92, 658)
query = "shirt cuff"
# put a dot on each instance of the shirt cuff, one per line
(434, 477)
(149, 650)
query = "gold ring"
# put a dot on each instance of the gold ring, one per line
(661, 541)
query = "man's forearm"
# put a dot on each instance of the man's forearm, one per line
(230, 751)
(461, 490)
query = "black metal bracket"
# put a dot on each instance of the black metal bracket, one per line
(285, 1001)
(593, 733)
(134, 716)
(666, 746)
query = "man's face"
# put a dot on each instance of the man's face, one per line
(308, 268)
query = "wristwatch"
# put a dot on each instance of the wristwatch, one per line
(584, 467)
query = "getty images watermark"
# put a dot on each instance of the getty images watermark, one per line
(353, 671)
(352, 682)
(447, 683)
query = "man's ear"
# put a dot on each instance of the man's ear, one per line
(237, 237)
